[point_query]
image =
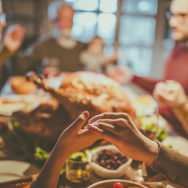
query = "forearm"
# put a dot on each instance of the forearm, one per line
(145, 83)
(181, 113)
(5, 54)
(170, 166)
(49, 175)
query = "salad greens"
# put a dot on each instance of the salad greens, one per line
(147, 125)
(161, 135)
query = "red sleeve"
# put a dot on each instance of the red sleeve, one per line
(145, 83)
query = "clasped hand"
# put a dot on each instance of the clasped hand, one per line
(117, 128)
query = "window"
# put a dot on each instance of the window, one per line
(134, 20)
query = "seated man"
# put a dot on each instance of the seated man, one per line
(176, 65)
(162, 163)
(12, 42)
(61, 45)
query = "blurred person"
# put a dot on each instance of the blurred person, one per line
(58, 45)
(176, 66)
(171, 93)
(12, 42)
(161, 162)
(93, 57)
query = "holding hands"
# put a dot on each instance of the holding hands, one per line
(14, 37)
(170, 93)
(119, 129)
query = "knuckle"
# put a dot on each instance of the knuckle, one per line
(122, 120)
(126, 115)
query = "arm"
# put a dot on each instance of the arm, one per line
(170, 167)
(145, 83)
(70, 141)
(24, 62)
(170, 93)
(5, 54)
(12, 41)
(164, 164)
(181, 113)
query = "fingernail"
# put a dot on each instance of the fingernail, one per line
(85, 128)
(85, 114)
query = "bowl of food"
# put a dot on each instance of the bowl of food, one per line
(116, 183)
(108, 162)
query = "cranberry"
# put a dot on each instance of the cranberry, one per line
(118, 185)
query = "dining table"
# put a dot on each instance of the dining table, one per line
(12, 140)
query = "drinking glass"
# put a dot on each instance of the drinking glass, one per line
(51, 67)
(149, 115)
(77, 172)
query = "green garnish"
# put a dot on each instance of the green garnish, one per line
(40, 154)
(161, 135)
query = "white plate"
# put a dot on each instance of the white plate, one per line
(11, 170)
(109, 183)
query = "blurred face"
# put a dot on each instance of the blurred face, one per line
(179, 19)
(96, 47)
(65, 20)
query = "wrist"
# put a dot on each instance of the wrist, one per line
(151, 153)
(181, 104)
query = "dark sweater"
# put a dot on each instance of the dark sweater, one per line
(28, 60)
(69, 58)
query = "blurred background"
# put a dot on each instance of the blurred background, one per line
(137, 28)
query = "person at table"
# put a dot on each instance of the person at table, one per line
(59, 45)
(93, 58)
(12, 42)
(161, 162)
(176, 65)
(170, 93)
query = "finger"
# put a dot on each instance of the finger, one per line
(108, 127)
(103, 133)
(89, 136)
(79, 122)
(164, 99)
(117, 123)
(109, 115)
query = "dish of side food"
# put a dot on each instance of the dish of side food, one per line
(116, 183)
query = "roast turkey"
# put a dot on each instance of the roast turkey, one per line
(79, 91)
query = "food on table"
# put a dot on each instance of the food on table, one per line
(110, 160)
(20, 85)
(118, 185)
(79, 91)
(148, 127)
(161, 135)
(146, 109)
(144, 100)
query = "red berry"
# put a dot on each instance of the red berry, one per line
(118, 185)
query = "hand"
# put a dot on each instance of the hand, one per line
(119, 129)
(71, 140)
(14, 37)
(170, 93)
(121, 74)
(74, 138)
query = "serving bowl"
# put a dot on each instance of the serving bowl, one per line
(109, 184)
(103, 172)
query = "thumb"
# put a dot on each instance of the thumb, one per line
(79, 122)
